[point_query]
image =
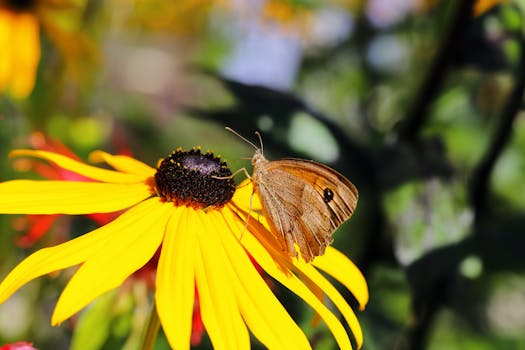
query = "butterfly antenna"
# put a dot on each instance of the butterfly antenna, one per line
(244, 138)
(260, 141)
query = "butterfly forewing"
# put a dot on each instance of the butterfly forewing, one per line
(304, 202)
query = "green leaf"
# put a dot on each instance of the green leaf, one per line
(94, 325)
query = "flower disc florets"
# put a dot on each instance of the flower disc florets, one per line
(194, 179)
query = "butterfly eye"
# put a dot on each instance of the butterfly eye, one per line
(328, 195)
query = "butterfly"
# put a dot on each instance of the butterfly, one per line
(303, 201)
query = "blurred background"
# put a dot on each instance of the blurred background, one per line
(418, 102)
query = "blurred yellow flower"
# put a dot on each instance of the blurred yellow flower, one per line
(21, 23)
(186, 17)
(482, 6)
(19, 40)
(284, 11)
(199, 223)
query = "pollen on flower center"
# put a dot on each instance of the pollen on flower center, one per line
(194, 179)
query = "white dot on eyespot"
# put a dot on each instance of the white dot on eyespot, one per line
(309, 136)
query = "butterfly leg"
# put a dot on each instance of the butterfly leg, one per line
(233, 175)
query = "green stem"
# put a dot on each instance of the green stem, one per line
(152, 330)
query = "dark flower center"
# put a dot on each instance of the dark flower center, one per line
(194, 179)
(18, 5)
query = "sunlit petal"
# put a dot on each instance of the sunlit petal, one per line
(127, 250)
(77, 167)
(265, 316)
(68, 197)
(337, 265)
(307, 271)
(175, 285)
(219, 309)
(69, 253)
(245, 198)
(272, 264)
(123, 163)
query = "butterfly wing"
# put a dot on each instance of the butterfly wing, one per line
(304, 202)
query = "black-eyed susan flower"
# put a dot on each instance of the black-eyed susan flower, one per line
(190, 208)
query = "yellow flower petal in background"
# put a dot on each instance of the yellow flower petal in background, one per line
(125, 251)
(482, 6)
(20, 26)
(68, 197)
(6, 27)
(175, 296)
(69, 253)
(20, 42)
(26, 54)
(219, 309)
(263, 313)
(80, 168)
(122, 163)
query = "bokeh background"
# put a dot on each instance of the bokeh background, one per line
(418, 102)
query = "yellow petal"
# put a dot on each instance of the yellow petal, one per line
(27, 50)
(308, 272)
(219, 309)
(257, 224)
(245, 198)
(69, 253)
(126, 250)
(6, 58)
(273, 265)
(337, 265)
(80, 168)
(121, 163)
(175, 284)
(68, 197)
(263, 313)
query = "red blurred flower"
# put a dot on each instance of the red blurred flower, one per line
(21, 345)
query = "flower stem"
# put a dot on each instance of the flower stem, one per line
(152, 330)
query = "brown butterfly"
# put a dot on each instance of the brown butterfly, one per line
(303, 201)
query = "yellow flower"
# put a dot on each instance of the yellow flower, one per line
(20, 25)
(482, 6)
(19, 40)
(200, 224)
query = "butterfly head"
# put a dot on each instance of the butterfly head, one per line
(258, 157)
